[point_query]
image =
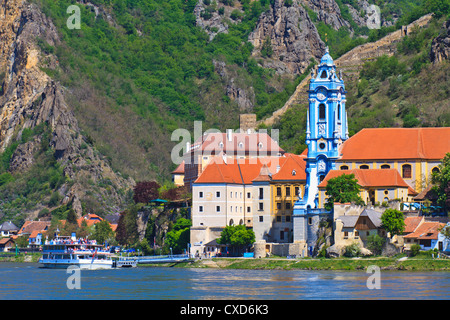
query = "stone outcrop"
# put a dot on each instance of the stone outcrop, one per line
(236, 90)
(440, 47)
(29, 97)
(329, 12)
(294, 39)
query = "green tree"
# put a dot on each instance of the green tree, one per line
(178, 238)
(441, 181)
(393, 221)
(237, 237)
(103, 232)
(343, 189)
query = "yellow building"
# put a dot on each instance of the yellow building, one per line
(414, 152)
(377, 185)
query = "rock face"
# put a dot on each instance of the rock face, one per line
(293, 38)
(329, 12)
(29, 97)
(440, 47)
(243, 95)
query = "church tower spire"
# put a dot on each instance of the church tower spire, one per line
(326, 131)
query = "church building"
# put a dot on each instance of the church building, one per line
(414, 153)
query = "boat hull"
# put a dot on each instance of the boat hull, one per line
(85, 264)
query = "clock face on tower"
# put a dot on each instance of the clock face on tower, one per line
(321, 94)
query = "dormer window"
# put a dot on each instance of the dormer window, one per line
(294, 172)
(260, 145)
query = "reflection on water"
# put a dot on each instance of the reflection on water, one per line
(28, 281)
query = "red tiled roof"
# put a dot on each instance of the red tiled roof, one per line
(293, 168)
(411, 223)
(426, 231)
(397, 143)
(30, 226)
(179, 169)
(370, 177)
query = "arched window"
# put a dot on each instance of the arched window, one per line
(435, 170)
(406, 171)
(323, 75)
(385, 166)
(344, 167)
(231, 222)
(364, 166)
(322, 111)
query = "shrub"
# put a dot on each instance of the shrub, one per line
(352, 250)
(375, 243)
(415, 248)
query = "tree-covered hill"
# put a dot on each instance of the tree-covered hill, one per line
(137, 70)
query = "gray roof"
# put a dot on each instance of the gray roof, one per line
(373, 215)
(348, 221)
(8, 226)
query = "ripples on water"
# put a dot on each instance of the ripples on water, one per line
(30, 282)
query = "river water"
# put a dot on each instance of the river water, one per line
(30, 282)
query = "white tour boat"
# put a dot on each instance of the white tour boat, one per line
(87, 255)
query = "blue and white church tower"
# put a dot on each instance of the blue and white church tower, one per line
(326, 130)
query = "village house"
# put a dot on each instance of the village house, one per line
(355, 224)
(424, 233)
(8, 229)
(6, 244)
(34, 226)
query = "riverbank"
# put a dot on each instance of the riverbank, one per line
(351, 264)
(422, 262)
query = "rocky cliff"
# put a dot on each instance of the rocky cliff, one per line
(440, 47)
(29, 97)
(290, 37)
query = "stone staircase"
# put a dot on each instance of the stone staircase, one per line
(351, 64)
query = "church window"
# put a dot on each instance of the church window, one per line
(231, 222)
(344, 167)
(406, 171)
(323, 75)
(321, 178)
(385, 166)
(322, 146)
(339, 112)
(322, 111)
(435, 170)
(364, 166)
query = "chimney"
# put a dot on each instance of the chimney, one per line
(230, 135)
